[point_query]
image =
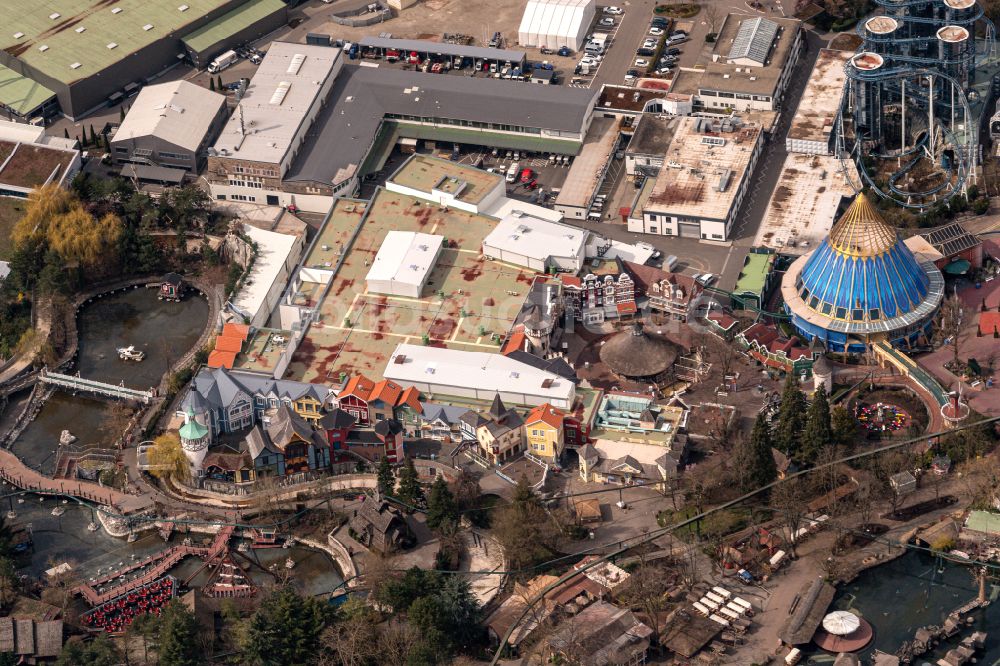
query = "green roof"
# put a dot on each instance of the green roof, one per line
(756, 268)
(20, 93)
(192, 430)
(984, 521)
(231, 23)
(78, 33)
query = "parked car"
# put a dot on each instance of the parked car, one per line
(672, 52)
(607, 22)
(660, 20)
(679, 33)
(614, 10)
(705, 279)
(565, 51)
(647, 53)
(632, 73)
(649, 44)
(664, 70)
(641, 62)
(656, 32)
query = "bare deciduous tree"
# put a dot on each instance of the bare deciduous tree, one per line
(789, 499)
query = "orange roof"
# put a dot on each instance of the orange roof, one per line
(411, 397)
(359, 386)
(228, 344)
(989, 322)
(231, 330)
(626, 308)
(514, 342)
(222, 359)
(387, 391)
(547, 414)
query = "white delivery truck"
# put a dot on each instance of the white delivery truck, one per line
(222, 62)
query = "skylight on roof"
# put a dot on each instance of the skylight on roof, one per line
(43, 48)
(80, 30)
(296, 63)
(112, 45)
(54, 15)
(117, 10)
(147, 27)
(754, 39)
(279, 93)
(75, 65)
(182, 8)
(18, 35)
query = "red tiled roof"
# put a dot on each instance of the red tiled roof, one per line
(989, 322)
(547, 414)
(228, 344)
(360, 387)
(571, 281)
(387, 391)
(231, 330)
(411, 397)
(626, 308)
(222, 359)
(722, 320)
(514, 342)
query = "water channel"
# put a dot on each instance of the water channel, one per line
(164, 332)
(913, 591)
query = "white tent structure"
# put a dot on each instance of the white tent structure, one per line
(556, 23)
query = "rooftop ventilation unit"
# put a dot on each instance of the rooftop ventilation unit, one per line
(182, 8)
(75, 65)
(279, 94)
(112, 45)
(147, 27)
(80, 30)
(54, 15)
(18, 35)
(296, 63)
(43, 48)
(116, 10)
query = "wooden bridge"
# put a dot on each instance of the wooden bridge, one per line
(161, 563)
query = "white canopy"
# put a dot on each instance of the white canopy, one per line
(556, 23)
(841, 623)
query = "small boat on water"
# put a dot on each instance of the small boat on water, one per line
(130, 353)
(66, 438)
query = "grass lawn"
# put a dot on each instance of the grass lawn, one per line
(11, 211)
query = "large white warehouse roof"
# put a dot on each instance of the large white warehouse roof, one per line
(555, 23)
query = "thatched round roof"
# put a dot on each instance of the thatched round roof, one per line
(636, 353)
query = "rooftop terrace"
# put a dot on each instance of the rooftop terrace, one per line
(756, 268)
(32, 166)
(357, 331)
(424, 173)
(70, 40)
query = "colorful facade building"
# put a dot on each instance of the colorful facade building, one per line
(595, 298)
(370, 402)
(766, 344)
(499, 433)
(544, 435)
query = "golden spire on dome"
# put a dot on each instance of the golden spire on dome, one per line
(861, 231)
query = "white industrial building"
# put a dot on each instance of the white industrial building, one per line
(277, 256)
(556, 23)
(524, 240)
(403, 263)
(811, 131)
(436, 371)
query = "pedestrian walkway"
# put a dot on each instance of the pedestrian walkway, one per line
(17, 473)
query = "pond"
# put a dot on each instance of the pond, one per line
(913, 591)
(163, 331)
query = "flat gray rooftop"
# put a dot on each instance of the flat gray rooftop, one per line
(363, 96)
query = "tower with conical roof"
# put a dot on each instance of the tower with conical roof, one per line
(195, 438)
(862, 285)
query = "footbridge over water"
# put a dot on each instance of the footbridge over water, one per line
(78, 383)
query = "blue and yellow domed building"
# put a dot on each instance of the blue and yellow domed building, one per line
(862, 285)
